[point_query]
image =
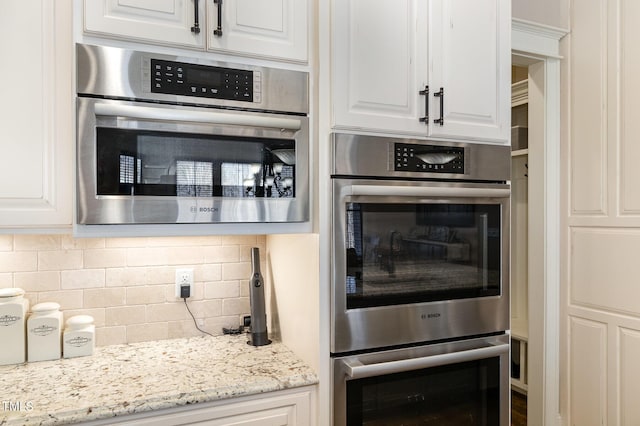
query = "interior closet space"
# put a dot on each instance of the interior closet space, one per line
(519, 229)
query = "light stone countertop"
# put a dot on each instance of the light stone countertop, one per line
(134, 378)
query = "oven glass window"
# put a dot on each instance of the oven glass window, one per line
(133, 162)
(408, 253)
(460, 394)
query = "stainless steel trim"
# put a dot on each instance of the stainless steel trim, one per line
(356, 370)
(374, 156)
(122, 73)
(382, 190)
(378, 364)
(197, 116)
(367, 328)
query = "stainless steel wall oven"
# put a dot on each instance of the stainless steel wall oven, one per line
(165, 139)
(420, 279)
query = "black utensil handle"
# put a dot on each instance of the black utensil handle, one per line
(425, 93)
(440, 95)
(196, 18)
(218, 31)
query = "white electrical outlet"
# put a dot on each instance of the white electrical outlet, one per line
(184, 277)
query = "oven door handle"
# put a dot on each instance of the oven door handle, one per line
(356, 370)
(428, 191)
(209, 117)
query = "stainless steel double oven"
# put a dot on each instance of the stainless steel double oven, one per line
(420, 282)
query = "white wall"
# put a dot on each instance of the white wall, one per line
(549, 12)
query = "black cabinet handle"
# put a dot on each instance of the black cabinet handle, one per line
(218, 31)
(196, 19)
(425, 93)
(440, 95)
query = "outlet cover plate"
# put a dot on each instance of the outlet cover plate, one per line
(184, 276)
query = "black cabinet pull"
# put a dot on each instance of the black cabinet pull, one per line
(425, 93)
(218, 31)
(440, 95)
(196, 19)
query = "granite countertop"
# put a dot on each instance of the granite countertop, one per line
(134, 378)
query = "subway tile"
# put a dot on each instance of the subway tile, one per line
(222, 290)
(206, 308)
(180, 329)
(98, 315)
(18, 261)
(156, 256)
(147, 332)
(183, 241)
(32, 297)
(236, 271)
(68, 299)
(167, 312)
(238, 240)
(6, 280)
(145, 295)
(208, 272)
(221, 254)
(125, 277)
(59, 260)
(239, 306)
(126, 242)
(70, 243)
(104, 297)
(85, 278)
(106, 336)
(38, 281)
(161, 275)
(6, 242)
(185, 255)
(105, 258)
(37, 242)
(125, 315)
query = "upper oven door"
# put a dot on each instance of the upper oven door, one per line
(418, 261)
(154, 163)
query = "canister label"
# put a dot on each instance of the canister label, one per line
(7, 320)
(78, 341)
(43, 330)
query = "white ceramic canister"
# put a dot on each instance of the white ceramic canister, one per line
(13, 318)
(44, 332)
(79, 336)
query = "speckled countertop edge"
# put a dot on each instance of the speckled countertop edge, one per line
(135, 378)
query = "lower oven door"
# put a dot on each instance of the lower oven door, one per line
(460, 383)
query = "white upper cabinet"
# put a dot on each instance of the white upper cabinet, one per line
(156, 21)
(437, 68)
(271, 28)
(36, 115)
(275, 29)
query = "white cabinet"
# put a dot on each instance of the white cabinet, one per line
(275, 29)
(36, 114)
(283, 408)
(387, 54)
(156, 21)
(272, 28)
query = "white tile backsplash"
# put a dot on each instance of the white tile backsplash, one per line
(127, 284)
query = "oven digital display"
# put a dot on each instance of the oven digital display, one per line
(180, 78)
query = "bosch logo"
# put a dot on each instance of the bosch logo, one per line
(430, 316)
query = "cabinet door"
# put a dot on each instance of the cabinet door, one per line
(379, 60)
(36, 114)
(264, 28)
(154, 21)
(470, 57)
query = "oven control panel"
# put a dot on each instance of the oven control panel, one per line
(179, 78)
(428, 158)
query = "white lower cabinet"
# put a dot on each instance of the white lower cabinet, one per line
(291, 407)
(36, 114)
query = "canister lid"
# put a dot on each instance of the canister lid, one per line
(79, 321)
(11, 292)
(45, 307)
